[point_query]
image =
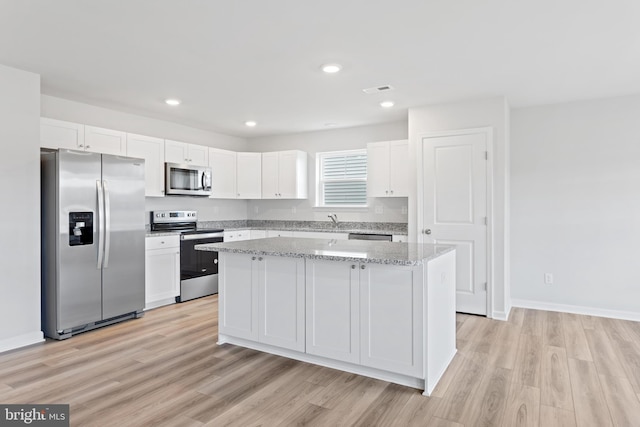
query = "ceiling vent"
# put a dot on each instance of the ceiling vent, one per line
(378, 89)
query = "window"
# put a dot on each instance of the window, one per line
(342, 178)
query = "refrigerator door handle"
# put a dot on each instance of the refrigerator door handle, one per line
(107, 225)
(100, 223)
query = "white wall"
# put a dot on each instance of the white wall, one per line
(491, 112)
(20, 215)
(576, 206)
(208, 209)
(329, 140)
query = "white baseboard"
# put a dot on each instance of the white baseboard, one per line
(576, 309)
(500, 315)
(21, 341)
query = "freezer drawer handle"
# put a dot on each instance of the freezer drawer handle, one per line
(100, 223)
(107, 224)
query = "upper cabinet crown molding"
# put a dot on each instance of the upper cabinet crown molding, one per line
(387, 172)
(284, 175)
(185, 153)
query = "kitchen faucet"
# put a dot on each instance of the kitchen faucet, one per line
(334, 218)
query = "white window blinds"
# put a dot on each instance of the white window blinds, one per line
(343, 178)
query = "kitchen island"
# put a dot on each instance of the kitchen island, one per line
(379, 309)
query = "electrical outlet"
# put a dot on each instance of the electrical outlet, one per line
(379, 209)
(548, 279)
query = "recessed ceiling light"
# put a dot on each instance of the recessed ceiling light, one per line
(386, 104)
(250, 123)
(172, 102)
(331, 68)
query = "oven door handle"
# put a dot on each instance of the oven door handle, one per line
(200, 236)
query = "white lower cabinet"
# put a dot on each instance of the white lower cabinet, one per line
(262, 299)
(391, 318)
(333, 315)
(321, 235)
(279, 233)
(162, 270)
(236, 235)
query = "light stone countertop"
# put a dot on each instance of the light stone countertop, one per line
(334, 250)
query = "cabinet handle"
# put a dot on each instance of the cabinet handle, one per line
(362, 267)
(162, 242)
(386, 191)
(81, 146)
(391, 191)
(215, 261)
(260, 259)
(87, 146)
(427, 231)
(353, 267)
(253, 258)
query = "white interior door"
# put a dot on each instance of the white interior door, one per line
(455, 209)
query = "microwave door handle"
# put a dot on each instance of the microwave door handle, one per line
(202, 180)
(100, 223)
(107, 224)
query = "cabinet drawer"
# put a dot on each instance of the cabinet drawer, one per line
(162, 242)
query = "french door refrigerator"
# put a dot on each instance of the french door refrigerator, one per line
(93, 231)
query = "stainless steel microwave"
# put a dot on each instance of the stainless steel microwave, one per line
(187, 180)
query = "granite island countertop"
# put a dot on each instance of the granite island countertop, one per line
(334, 250)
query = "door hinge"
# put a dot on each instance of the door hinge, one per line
(486, 155)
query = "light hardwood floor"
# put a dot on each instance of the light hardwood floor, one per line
(538, 369)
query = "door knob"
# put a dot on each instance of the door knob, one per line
(427, 231)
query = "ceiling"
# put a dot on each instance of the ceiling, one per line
(230, 61)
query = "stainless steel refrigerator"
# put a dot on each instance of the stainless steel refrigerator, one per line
(93, 231)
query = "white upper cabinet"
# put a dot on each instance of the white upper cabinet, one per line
(249, 175)
(152, 151)
(106, 141)
(387, 171)
(223, 173)
(59, 134)
(284, 175)
(182, 152)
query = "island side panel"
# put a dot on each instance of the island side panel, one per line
(440, 317)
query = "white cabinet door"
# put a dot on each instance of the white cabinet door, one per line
(249, 175)
(223, 173)
(399, 168)
(270, 175)
(292, 174)
(162, 270)
(198, 154)
(106, 141)
(175, 152)
(236, 235)
(238, 300)
(279, 233)
(321, 235)
(59, 134)
(258, 234)
(284, 175)
(391, 318)
(332, 310)
(387, 169)
(152, 151)
(378, 169)
(281, 302)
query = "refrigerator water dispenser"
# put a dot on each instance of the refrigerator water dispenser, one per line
(80, 228)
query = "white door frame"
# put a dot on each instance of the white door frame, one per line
(488, 132)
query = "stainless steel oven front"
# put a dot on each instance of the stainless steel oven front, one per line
(198, 269)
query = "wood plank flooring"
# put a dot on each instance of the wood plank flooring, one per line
(538, 369)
